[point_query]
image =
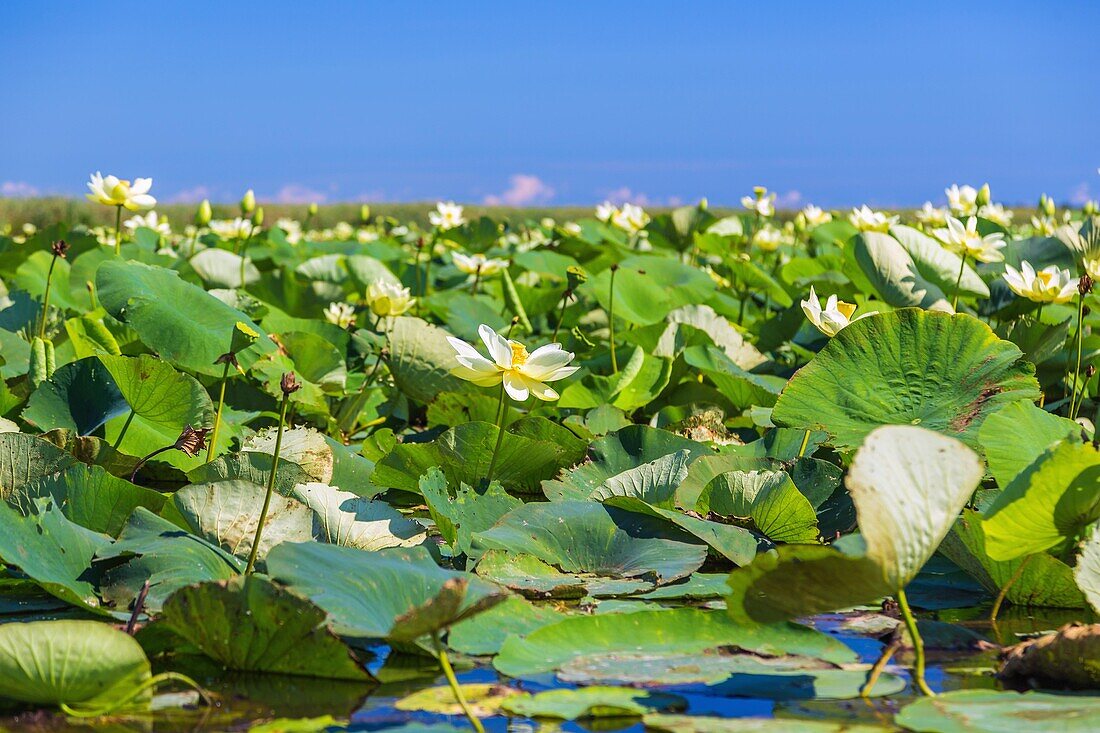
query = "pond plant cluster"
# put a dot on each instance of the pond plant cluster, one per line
(679, 472)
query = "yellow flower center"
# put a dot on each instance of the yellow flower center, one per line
(847, 309)
(1043, 277)
(519, 353)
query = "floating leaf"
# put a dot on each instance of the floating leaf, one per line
(342, 518)
(592, 702)
(486, 632)
(459, 516)
(987, 711)
(1015, 436)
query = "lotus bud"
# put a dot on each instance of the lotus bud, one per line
(1091, 208)
(364, 214)
(191, 441)
(312, 210)
(289, 384)
(59, 248)
(248, 202)
(703, 204)
(204, 214)
(258, 216)
(983, 196)
(1047, 206)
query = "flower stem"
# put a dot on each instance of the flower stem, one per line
(1003, 593)
(876, 670)
(143, 461)
(46, 305)
(477, 281)
(122, 433)
(118, 231)
(805, 443)
(958, 283)
(270, 487)
(500, 436)
(918, 645)
(449, 673)
(218, 415)
(1073, 406)
(561, 315)
(611, 320)
(349, 411)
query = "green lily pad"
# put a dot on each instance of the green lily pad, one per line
(600, 539)
(227, 513)
(1044, 581)
(459, 516)
(987, 711)
(398, 594)
(163, 554)
(1050, 502)
(705, 724)
(674, 631)
(1087, 571)
(464, 453)
(187, 326)
(777, 508)
(421, 360)
(78, 663)
(343, 518)
(91, 497)
(907, 367)
(592, 702)
(25, 458)
(1016, 436)
(304, 447)
(615, 454)
(53, 552)
(485, 700)
(894, 274)
(535, 579)
(251, 466)
(485, 633)
(251, 625)
(736, 544)
(908, 485)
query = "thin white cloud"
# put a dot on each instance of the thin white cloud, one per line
(525, 190)
(190, 195)
(1080, 194)
(18, 190)
(296, 193)
(789, 200)
(624, 195)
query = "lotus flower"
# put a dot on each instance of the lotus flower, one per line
(867, 220)
(340, 314)
(238, 228)
(768, 238)
(761, 202)
(606, 210)
(478, 264)
(965, 240)
(149, 221)
(836, 315)
(630, 218)
(932, 215)
(524, 374)
(815, 215)
(962, 199)
(387, 299)
(1049, 285)
(112, 191)
(997, 214)
(447, 216)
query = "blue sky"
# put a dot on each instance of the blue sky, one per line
(563, 103)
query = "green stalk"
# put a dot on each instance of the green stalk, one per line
(218, 415)
(1073, 406)
(118, 231)
(244, 249)
(611, 320)
(1003, 593)
(561, 315)
(500, 435)
(918, 645)
(958, 283)
(477, 281)
(46, 303)
(805, 442)
(350, 410)
(270, 487)
(122, 433)
(449, 673)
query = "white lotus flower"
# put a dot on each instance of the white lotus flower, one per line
(605, 211)
(112, 191)
(768, 238)
(1092, 267)
(238, 228)
(366, 236)
(572, 228)
(962, 199)
(997, 214)
(447, 216)
(836, 315)
(341, 314)
(965, 240)
(815, 215)
(478, 264)
(524, 374)
(388, 299)
(866, 220)
(292, 228)
(932, 215)
(1045, 225)
(1049, 285)
(149, 221)
(761, 202)
(630, 218)
(343, 231)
